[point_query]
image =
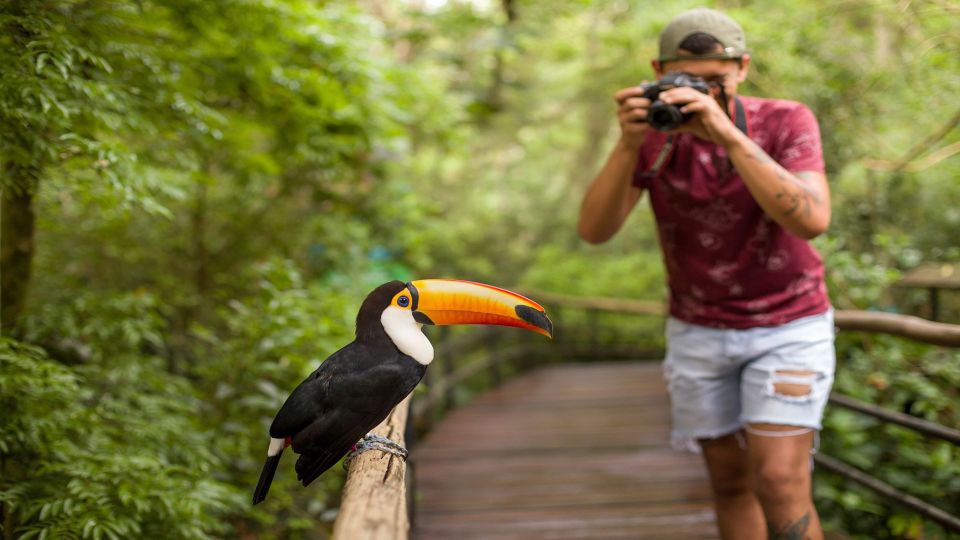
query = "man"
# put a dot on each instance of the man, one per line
(737, 191)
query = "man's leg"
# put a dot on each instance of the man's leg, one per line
(739, 515)
(783, 393)
(780, 476)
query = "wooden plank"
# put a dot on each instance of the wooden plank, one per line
(609, 522)
(566, 452)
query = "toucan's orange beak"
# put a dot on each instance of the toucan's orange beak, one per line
(450, 301)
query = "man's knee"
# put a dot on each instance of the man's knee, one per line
(780, 462)
(779, 482)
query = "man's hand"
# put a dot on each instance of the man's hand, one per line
(710, 122)
(632, 113)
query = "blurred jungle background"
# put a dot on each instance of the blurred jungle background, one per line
(198, 194)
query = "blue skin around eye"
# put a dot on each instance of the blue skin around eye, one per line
(403, 301)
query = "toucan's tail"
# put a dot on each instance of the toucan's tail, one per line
(266, 477)
(311, 465)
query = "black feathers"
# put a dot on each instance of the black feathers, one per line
(266, 478)
(368, 318)
(353, 391)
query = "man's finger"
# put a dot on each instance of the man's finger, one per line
(693, 107)
(635, 102)
(636, 115)
(627, 93)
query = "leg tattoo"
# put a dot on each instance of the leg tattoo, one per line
(791, 531)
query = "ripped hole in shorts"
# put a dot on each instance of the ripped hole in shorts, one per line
(793, 386)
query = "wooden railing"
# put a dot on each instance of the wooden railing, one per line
(377, 500)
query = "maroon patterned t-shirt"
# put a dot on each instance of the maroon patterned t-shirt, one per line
(728, 264)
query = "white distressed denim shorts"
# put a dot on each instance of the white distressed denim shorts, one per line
(721, 380)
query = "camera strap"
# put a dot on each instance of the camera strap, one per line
(666, 151)
(740, 116)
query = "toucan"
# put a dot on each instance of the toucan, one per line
(354, 389)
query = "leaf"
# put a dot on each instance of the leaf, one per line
(88, 528)
(41, 62)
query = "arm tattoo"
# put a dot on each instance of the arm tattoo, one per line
(798, 192)
(796, 189)
(791, 531)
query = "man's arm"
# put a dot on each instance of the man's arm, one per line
(612, 196)
(798, 201)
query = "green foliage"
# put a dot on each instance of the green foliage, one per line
(89, 454)
(562, 270)
(191, 158)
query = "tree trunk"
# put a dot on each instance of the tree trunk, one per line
(494, 96)
(17, 223)
(201, 253)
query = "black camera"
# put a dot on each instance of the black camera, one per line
(662, 116)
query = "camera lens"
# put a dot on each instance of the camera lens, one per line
(663, 117)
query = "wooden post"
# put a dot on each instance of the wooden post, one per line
(494, 368)
(447, 363)
(934, 305)
(410, 434)
(424, 422)
(593, 323)
(374, 503)
(556, 315)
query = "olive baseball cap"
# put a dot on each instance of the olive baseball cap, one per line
(708, 21)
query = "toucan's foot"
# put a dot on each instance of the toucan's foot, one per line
(375, 442)
(378, 442)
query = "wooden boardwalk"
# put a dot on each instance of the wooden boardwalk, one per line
(574, 451)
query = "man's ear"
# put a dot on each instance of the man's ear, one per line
(744, 68)
(657, 68)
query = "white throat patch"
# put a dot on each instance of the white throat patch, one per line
(406, 334)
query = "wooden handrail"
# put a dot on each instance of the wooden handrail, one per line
(619, 305)
(908, 326)
(931, 429)
(374, 503)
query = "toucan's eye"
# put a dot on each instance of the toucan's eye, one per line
(403, 301)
